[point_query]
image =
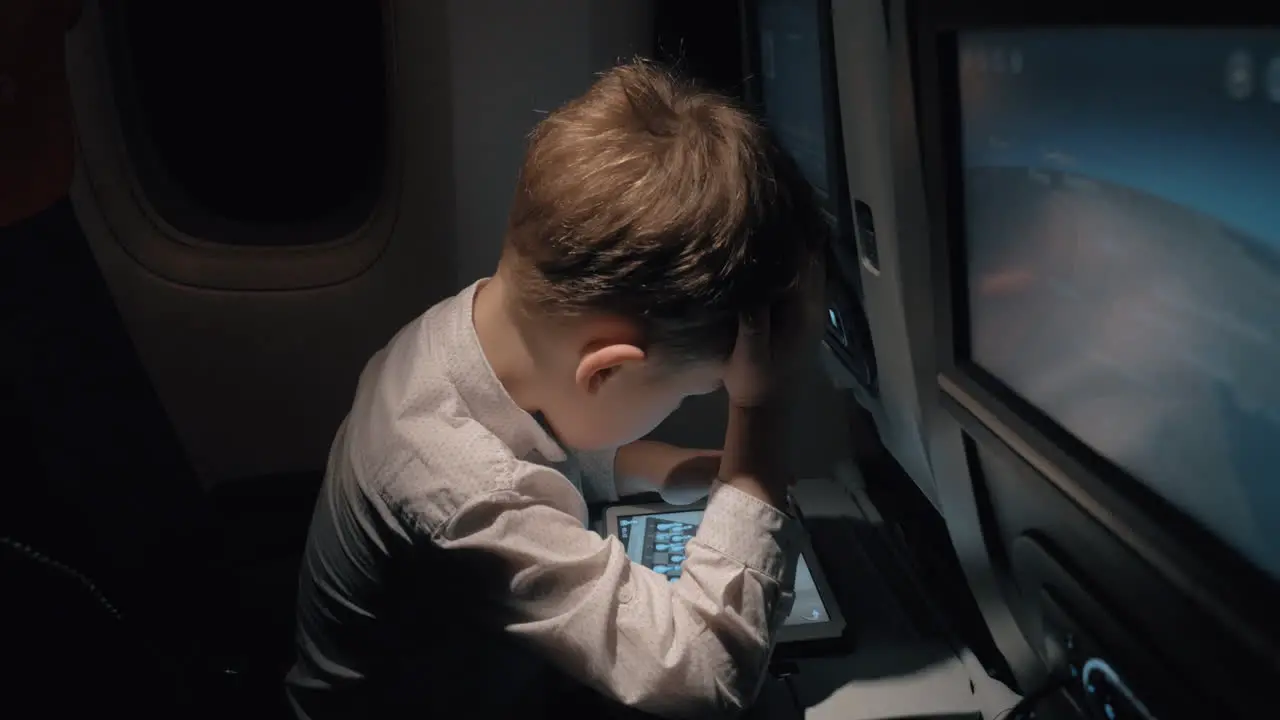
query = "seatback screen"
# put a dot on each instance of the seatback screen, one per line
(791, 50)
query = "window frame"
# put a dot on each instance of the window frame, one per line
(135, 223)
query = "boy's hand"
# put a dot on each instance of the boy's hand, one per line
(748, 379)
(764, 357)
(752, 460)
(770, 340)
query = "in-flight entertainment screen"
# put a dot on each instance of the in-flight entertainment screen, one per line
(1122, 200)
(791, 84)
(657, 542)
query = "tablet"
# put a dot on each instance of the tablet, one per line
(654, 536)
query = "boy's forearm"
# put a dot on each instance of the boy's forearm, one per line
(752, 460)
(650, 466)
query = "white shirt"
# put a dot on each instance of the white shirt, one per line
(449, 565)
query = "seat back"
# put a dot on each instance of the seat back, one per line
(96, 479)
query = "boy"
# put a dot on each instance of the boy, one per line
(449, 563)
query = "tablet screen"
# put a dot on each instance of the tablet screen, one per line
(657, 542)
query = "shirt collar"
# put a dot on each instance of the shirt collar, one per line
(478, 385)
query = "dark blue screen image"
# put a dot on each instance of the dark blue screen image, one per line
(791, 82)
(1122, 199)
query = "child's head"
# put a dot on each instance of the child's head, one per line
(648, 216)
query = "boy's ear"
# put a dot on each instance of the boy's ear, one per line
(600, 363)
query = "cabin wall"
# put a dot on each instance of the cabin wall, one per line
(256, 382)
(510, 62)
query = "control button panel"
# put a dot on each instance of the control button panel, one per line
(1106, 694)
(1094, 682)
(865, 227)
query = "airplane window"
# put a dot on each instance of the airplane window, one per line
(271, 115)
(1123, 239)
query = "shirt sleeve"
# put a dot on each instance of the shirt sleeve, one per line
(698, 646)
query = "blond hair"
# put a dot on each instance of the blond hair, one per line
(650, 199)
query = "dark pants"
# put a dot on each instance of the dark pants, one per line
(103, 484)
